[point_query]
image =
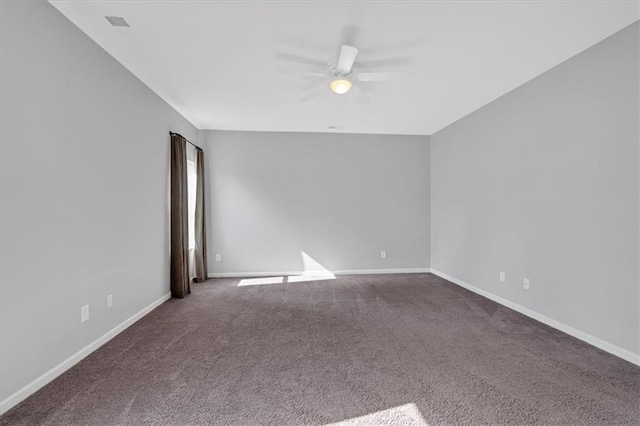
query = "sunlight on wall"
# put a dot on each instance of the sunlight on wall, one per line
(407, 414)
(312, 267)
(312, 271)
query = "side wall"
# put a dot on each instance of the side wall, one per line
(339, 198)
(85, 173)
(543, 184)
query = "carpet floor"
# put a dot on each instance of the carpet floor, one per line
(356, 350)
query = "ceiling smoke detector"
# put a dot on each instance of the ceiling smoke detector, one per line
(117, 21)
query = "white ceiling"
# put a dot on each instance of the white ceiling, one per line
(223, 64)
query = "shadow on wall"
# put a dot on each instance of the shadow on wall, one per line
(312, 271)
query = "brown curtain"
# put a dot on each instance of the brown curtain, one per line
(180, 285)
(200, 228)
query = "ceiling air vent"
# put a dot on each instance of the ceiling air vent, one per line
(117, 21)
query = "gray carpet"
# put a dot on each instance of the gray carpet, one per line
(364, 350)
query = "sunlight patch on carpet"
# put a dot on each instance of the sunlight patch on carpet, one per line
(312, 271)
(261, 281)
(407, 414)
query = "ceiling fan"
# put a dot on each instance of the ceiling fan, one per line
(340, 75)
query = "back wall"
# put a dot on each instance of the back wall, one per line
(339, 198)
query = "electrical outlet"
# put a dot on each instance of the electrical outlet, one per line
(526, 283)
(218, 257)
(503, 277)
(383, 254)
(109, 300)
(84, 313)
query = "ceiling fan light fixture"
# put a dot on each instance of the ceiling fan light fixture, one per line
(340, 85)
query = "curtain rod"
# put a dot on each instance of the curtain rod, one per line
(174, 133)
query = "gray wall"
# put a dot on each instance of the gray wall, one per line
(543, 183)
(340, 198)
(85, 159)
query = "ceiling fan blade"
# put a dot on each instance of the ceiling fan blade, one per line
(360, 95)
(388, 62)
(301, 59)
(311, 95)
(394, 47)
(382, 76)
(347, 57)
(305, 73)
(314, 74)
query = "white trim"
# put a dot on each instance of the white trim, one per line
(12, 400)
(585, 337)
(249, 274)
(383, 271)
(343, 272)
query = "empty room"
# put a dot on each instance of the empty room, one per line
(319, 212)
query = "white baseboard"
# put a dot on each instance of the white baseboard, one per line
(250, 274)
(342, 272)
(592, 340)
(383, 271)
(20, 395)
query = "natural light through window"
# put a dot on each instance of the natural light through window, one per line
(311, 271)
(310, 266)
(407, 414)
(261, 281)
(304, 278)
(192, 179)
